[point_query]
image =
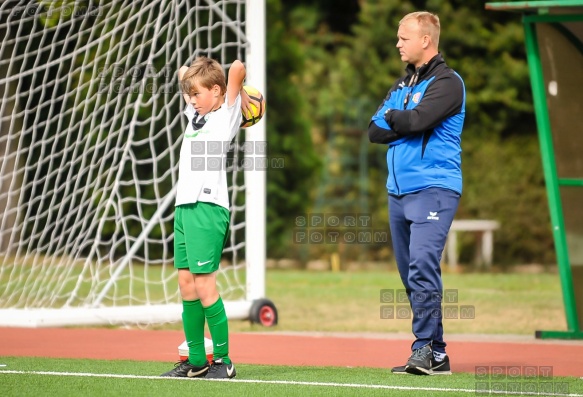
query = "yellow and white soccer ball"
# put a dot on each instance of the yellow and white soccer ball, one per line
(258, 107)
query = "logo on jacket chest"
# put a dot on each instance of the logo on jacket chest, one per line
(416, 98)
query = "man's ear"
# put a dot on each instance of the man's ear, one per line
(426, 41)
(216, 90)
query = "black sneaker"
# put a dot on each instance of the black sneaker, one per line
(220, 370)
(183, 369)
(437, 368)
(400, 370)
(440, 367)
(420, 362)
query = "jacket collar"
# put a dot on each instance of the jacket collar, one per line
(426, 68)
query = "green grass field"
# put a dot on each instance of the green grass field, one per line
(350, 302)
(50, 377)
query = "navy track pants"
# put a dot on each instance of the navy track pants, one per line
(419, 224)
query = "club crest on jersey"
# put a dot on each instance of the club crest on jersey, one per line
(416, 97)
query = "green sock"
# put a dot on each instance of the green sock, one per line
(219, 327)
(193, 324)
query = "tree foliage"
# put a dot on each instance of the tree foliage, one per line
(348, 72)
(288, 132)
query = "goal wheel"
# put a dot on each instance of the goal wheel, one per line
(263, 312)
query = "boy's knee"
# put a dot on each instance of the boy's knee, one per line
(186, 285)
(206, 288)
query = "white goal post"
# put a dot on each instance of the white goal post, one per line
(90, 130)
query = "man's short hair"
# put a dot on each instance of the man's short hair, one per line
(428, 24)
(206, 72)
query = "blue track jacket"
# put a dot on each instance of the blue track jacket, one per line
(421, 120)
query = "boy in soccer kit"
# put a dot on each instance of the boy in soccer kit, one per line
(201, 218)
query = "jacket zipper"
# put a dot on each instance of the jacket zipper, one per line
(410, 87)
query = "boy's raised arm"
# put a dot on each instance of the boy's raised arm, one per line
(237, 75)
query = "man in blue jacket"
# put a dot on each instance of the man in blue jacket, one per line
(421, 121)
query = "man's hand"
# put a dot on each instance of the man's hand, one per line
(387, 116)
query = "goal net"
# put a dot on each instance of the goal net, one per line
(91, 125)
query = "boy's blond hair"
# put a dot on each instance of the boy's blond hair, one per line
(428, 24)
(206, 72)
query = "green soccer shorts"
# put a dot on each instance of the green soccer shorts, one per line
(200, 233)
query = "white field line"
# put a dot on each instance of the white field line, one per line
(298, 383)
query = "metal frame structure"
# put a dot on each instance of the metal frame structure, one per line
(551, 12)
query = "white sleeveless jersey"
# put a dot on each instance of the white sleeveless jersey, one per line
(202, 172)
